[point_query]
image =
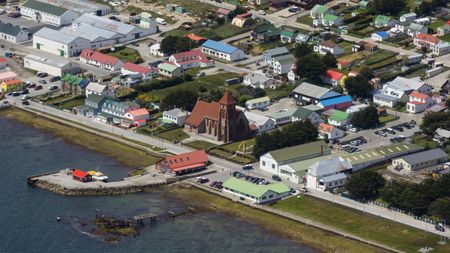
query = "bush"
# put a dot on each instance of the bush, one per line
(159, 84)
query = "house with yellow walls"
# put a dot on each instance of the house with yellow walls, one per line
(11, 85)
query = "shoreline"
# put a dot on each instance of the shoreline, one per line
(304, 234)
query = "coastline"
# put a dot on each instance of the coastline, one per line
(297, 231)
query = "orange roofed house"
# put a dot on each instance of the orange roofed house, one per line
(220, 121)
(184, 163)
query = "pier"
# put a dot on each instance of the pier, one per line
(140, 218)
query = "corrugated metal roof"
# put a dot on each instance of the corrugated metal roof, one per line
(55, 35)
(334, 101)
(9, 29)
(45, 7)
(252, 189)
(428, 155)
(299, 151)
(219, 46)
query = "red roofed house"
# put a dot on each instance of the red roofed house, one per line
(137, 118)
(3, 63)
(130, 68)
(196, 38)
(81, 176)
(333, 77)
(418, 102)
(184, 163)
(220, 121)
(427, 40)
(98, 59)
(11, 85)
(329, 132)
(191, 59)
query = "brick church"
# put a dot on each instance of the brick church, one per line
(220, 121)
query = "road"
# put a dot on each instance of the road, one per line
(128, 134)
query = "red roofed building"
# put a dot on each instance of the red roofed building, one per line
(418, 102)
(130, 68)
(220, 121)
(3, 63)
(184, 163)
(191, 59)
(137, 118)
(329, 132)
(333, 77)
(196, 38)
(98, 59)
(81, 176)
(426, 40)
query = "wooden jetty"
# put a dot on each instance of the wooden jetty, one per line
(146, 216)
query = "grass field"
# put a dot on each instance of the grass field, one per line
(370, 227)
(379, 56)
(72, 103)
(239, 145)
(307, 20)
(423, 141)
(387, 118)
(434, 25)
(175, 135)
(199, 144)
(224, 31)
(208, 82)
(127, 54)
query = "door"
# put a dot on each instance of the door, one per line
(38, 45)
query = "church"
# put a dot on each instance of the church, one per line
(220, 121)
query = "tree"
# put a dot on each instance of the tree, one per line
(367, 73)
(365, 185)
(434, 120)
(441, 208)
(424, 8)
(297, 133)
(358, 86)
(174, 44)
(310, 66)
(329, 60)
(366, 118)
(181, 98)
(392, 7)
(302, 50)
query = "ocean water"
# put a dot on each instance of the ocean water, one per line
(28, 215)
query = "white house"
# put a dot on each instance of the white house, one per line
(283, 64)
(191, 59)
(271, 161)
(319, 11)
(414, 162)
(418, 102)
(328, 46)
(137, 117)
(380, 36)
(147, 22)
(328, 174)
(176, 116)
(397, 91)
(339, 119)
(303, 113)
(270, 54)
(441, 48)
(47, 13)
(222, 51)
(408, 17)
(257, 103)
(329, 132)
(256, 80)
(52, 65)
(292, 76)
(95, 88)
(155, 50)
(130, 68)
(98, 59)
(13, 33)
(258, 122)
(333, 77)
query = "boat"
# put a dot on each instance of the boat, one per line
(97, 175)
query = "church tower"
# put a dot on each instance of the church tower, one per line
(227, 117)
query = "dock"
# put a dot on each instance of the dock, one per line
(140, 218)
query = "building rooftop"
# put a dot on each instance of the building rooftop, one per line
(424, 156)
(81, 6)
(315, 91)
(92, 33)
(176, 112)
(299, 151)
(219, 46)
(336, 100)
(96, 87)
(277, 51)
(107, 24)
(252, 189)
(9, 29)
(257, 78)
(49, 60)
(55, 35)
(405, 84)
(45, 7)
(339, 116)
(186, 160)
(167, 66)
(257, 100)
(328, 166)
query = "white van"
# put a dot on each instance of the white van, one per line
(161, 21)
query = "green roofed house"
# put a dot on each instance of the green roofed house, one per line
(339, 119)
(331, 20)
(47, 13)
(364, 4)
(256, 193)
(384, 21)
(319, 11)
(266, 32)
(169, 70)
(73, 84)
(272, 160)
(287, 36)
(303, 113)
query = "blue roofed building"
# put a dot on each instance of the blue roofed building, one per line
(338, 103)
(380, 36)
(222, 51)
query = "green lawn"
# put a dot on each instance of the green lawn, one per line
(307, 20)
(239, 145)
(221, 32)
(387, 118)
(207, 82)
(127, 54)
(370, 227)
(281, 92)
(379, 56)
(194, 7)
(175, 135)
(155, 15)
(434, 25)
(445, 37)
(424, 141)
(72, 103)
(384, 63)
(199, 144)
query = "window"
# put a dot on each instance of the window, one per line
(264, 163)
(273, 166)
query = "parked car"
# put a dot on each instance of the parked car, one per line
(276, 178)
(247, 167)
(53, 87)
(25, 97)
(15, 94)
(42, 81)
(25, 91)
(31, 85)
(440, 227)
(55, 78)
(39, 87)
(202, 180)
(42, 74)
(261, 12)
(25, 102)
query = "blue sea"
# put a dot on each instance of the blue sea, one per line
(28, 215)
